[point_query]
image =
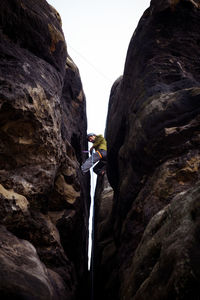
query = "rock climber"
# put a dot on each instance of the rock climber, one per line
(100, 154)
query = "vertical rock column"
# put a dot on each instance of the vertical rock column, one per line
(44, 199)
(153, 158)
(104, 249)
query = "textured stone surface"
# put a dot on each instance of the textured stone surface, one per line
(153, 132)
(168, 253)
(23, 276)
(44, 198)
(104, 246)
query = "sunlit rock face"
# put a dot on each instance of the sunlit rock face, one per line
(44, 199)
(153, 134)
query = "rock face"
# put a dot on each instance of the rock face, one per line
(23, 276)
(104, 246)
(166, 262)
(44, 199)
(153, 134)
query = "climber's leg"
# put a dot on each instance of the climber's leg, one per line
(100, 168)
(90, 162)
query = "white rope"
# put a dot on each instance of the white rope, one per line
(91, 226)
(92, 246)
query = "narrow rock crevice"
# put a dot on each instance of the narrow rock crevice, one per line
(146, 229)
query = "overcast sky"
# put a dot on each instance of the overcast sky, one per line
(97, 35)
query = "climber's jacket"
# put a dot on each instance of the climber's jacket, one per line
(100, 143)
(100, 146)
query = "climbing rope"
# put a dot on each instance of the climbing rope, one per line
(91, 225)
(92, 242)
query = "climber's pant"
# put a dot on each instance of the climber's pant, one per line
(95, 157)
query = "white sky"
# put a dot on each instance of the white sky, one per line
(97, 35)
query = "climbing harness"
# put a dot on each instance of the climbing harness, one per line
(99, 154)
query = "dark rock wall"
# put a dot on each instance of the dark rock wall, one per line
(103, 255)
(153, 134)
(44, 199)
